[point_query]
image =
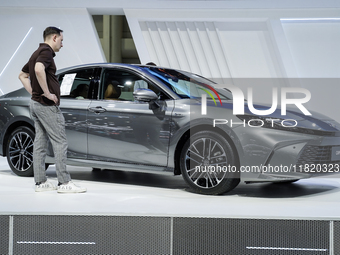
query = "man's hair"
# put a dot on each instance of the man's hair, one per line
(51, 31)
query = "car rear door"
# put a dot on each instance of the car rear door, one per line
(76, 96)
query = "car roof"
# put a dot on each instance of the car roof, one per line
(102, 65)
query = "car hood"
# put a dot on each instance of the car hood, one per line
(315, 121)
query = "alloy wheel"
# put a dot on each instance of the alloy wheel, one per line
(20, 151)
(204, 160)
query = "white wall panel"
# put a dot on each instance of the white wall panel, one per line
(217, 50)
(166, 41)
(145, 43)
(213, 49)
(227, 44)
(185, 45)
(177, 42)
(81, 44)
(249, 52)
(315, 46)
(220, 66)
(253, 42)
(191, 46)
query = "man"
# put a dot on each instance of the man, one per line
(39, 79)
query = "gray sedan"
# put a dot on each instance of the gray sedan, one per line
(153, 119)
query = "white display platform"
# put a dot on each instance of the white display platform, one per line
(128, 193)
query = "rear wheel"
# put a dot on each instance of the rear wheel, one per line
(208, 164)
(19, 151)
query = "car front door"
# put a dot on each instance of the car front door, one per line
(123, 130)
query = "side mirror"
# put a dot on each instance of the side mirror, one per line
(145, 95)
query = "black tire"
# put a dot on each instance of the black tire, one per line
(19, 151)
(196, 157)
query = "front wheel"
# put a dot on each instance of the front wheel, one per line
(19, 151)
(208, 164)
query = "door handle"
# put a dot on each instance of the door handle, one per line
(97, 109)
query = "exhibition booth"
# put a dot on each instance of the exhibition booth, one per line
(294, 43)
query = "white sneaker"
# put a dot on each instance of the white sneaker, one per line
(44, 186)
(70, 187)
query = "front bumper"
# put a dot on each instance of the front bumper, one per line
(283, 156)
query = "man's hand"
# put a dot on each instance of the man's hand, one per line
(51, 97)
(39, 69)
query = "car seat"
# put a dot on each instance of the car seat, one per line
(112, 91)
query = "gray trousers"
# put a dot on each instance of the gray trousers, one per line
(49, 124)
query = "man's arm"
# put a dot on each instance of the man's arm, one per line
(25, 80)
(39, 69)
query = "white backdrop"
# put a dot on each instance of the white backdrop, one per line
(232, 44)
(24, 27)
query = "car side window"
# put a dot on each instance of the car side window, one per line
(76, 84)
(120, 85)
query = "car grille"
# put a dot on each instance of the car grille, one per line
(316, 155)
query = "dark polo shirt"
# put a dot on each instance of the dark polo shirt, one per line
(45, 55)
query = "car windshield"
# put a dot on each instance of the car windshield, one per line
(188, 85)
